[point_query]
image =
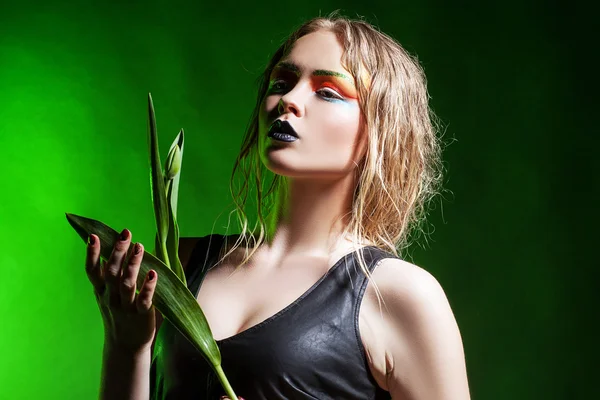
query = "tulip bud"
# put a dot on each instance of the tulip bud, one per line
(173, 163)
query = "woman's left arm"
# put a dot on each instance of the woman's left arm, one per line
(422, 341)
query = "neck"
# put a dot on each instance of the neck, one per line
(310, 216)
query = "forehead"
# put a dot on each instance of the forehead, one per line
(317, 50)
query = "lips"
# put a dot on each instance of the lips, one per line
(280, 127)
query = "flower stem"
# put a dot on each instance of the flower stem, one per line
(165, 254)
(225, 383)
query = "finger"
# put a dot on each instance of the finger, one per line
(93, 269)
(112, 269)
(129, 276)
(144, 299)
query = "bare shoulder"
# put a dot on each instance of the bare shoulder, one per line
(422, 342)
(404, 283)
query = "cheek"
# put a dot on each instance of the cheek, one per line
(342, 128)
(266, 107)
(269, 103)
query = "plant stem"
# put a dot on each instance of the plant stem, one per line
(225, 383)
(163, 249)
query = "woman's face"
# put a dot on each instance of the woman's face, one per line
(311, 90)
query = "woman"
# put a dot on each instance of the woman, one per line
(314, 303)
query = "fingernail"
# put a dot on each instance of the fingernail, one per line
(151, 276)
(123, 235)
(137, 248)
(91, 240)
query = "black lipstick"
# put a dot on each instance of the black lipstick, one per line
(282, 131)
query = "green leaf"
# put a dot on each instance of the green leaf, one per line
(157, 187)
(156, 246)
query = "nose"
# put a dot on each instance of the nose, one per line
(290, 104)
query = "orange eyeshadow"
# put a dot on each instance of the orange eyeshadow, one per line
(339, 84)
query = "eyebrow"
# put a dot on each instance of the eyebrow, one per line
(318, 72)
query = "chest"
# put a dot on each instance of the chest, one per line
(299, 297)
(234, 300)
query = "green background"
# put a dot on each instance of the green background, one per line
(511, 80)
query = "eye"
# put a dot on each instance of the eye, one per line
(277, 86)
(329, 94)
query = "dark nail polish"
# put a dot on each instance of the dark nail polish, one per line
(137, 248)
(151, 276)
(91, 240)
(123, 235)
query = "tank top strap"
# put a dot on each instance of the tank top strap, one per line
(355, 276)
(204, 255)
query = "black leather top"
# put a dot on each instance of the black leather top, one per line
(309, 350)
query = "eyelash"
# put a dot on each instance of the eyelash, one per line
(333, 94)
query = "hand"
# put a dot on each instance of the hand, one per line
(129, 319)
(227, 398)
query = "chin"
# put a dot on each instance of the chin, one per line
(283, 163)
(279, 167)
(306, 172)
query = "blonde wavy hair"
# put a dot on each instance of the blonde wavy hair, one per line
(401, 170)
